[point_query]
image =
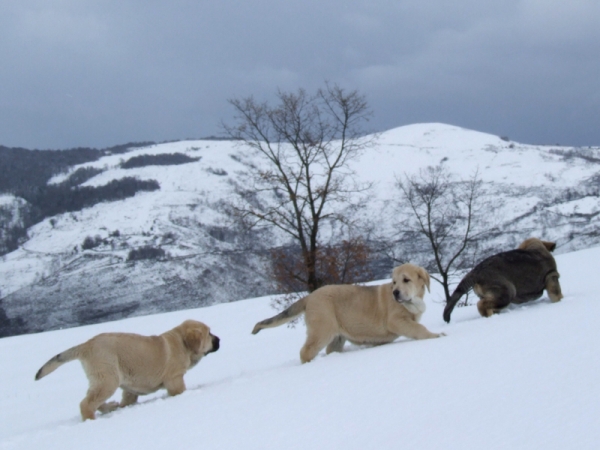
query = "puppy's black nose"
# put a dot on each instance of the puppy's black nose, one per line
(215, 343)
(396, 293)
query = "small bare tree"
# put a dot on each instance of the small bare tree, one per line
(449, 215)
(306, 183)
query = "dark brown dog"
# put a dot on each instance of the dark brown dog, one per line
(516, 276)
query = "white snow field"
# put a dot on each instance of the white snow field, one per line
(527, 378)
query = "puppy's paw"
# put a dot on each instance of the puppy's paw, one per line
(105, 408)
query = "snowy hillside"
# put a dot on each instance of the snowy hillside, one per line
(53, 281)
(524, 379)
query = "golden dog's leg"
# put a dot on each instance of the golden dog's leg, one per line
(414, 330)
(175, 386)
(105, 408)
(337, 345)
(128, 398)
(313, 345)
(97, 394)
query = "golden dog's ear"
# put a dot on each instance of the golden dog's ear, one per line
(549, 245)
(192, 340)
(423, 274)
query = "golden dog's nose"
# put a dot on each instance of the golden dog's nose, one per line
(215, 343)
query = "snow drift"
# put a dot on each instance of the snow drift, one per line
(523, 379)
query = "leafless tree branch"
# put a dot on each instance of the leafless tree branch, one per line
(449, 215)
(307, 143)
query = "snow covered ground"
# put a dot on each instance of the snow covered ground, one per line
(524, 379)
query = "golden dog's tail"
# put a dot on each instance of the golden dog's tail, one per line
(290, 313)
(54, 363)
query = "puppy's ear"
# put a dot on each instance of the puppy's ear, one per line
(423, 274)
(192, 340)
(526, 244)
(549, 245)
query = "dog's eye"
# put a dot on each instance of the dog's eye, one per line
(406, 280)
(394, 283)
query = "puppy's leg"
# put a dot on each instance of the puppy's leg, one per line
(316, 340)
(128, 398)
(99, 391)
(494, 297)
(553, 287)
(105, 408)
(412, 329)
(175, 385)
(321, 329)
(337, 345)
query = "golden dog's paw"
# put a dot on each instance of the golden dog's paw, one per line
(108, 407)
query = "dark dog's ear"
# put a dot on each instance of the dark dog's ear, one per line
(193, 339)
(423, 274)
(549, 245)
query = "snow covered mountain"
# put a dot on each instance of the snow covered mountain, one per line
(77, 268)
(523, 379)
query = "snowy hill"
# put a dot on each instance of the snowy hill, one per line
(524, 379)
(53, 281)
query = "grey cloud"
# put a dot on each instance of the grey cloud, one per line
(99, 73)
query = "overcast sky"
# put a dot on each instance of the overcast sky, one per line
(104, 72)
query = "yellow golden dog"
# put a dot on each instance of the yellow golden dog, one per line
(360, 314)
(137, 364)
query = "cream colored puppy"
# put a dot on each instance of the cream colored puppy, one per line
(137, 364)
(360, 314)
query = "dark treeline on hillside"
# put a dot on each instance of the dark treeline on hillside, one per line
(60, 198)
(163, 159)
(50, 200)
(81, 175)
(21, 168)
(25, 174)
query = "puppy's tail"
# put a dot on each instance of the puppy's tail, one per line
(290, 313)
(54, 363)
(465, 285)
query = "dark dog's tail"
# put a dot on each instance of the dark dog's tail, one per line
(54, 363)
(290, 313)
(465, 285)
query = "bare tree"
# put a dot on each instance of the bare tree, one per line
(307, 143)
(449, 215)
